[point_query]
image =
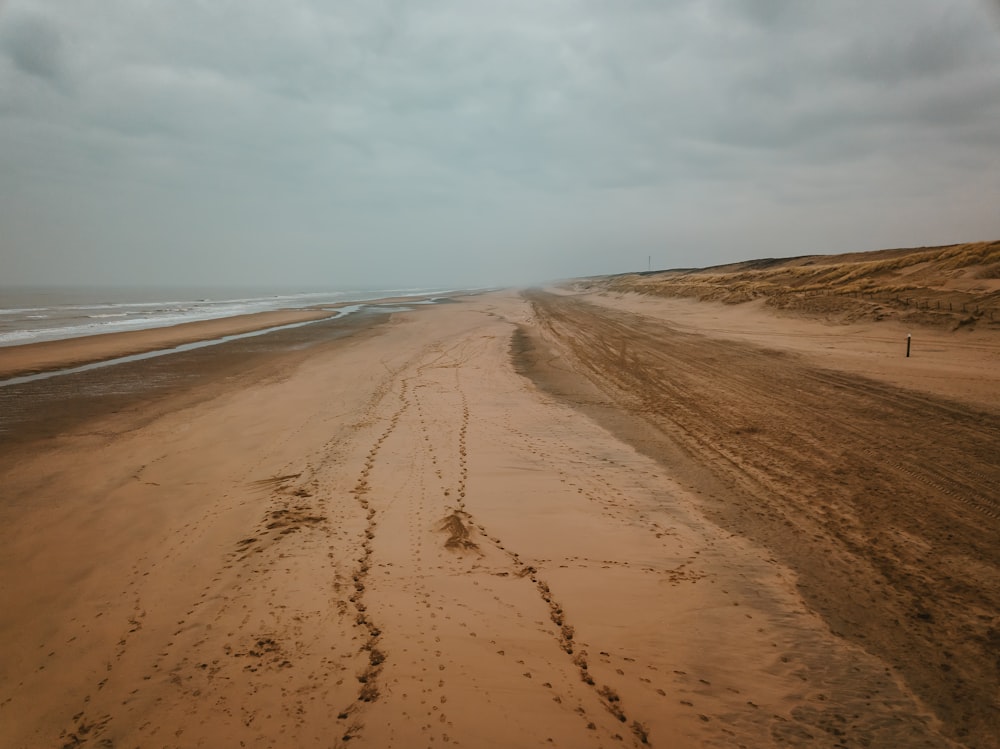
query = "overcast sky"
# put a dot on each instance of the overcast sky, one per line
(385, 143)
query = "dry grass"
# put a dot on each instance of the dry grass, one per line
(946, 286)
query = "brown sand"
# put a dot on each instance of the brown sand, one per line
(398, 538)
(961, 364)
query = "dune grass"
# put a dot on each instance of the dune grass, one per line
(954, 285)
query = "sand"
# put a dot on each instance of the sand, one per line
(962, 364)
(457, 527)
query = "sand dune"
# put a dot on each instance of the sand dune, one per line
(542, 520)
(949, 287)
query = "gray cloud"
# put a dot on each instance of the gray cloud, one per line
(381, 142)
(34, 45)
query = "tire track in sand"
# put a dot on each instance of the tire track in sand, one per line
(847, 480)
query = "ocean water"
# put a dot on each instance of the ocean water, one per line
(29, 315)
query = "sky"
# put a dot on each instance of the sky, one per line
(379, 143)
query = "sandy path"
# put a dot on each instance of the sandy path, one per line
(963, 364)
(401, 541)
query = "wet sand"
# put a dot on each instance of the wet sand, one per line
(49, 355)
(458, 526)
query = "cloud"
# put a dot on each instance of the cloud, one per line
(554, 134)
(33, 43)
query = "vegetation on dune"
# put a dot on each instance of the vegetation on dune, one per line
(955, 285)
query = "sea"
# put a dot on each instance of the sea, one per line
(30, 315)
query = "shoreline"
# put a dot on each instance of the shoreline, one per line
(65, 353)
(55, 402)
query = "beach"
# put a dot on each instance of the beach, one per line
(564, 517)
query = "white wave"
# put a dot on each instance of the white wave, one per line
(20, 336)
(22, 310)
(75, 320)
